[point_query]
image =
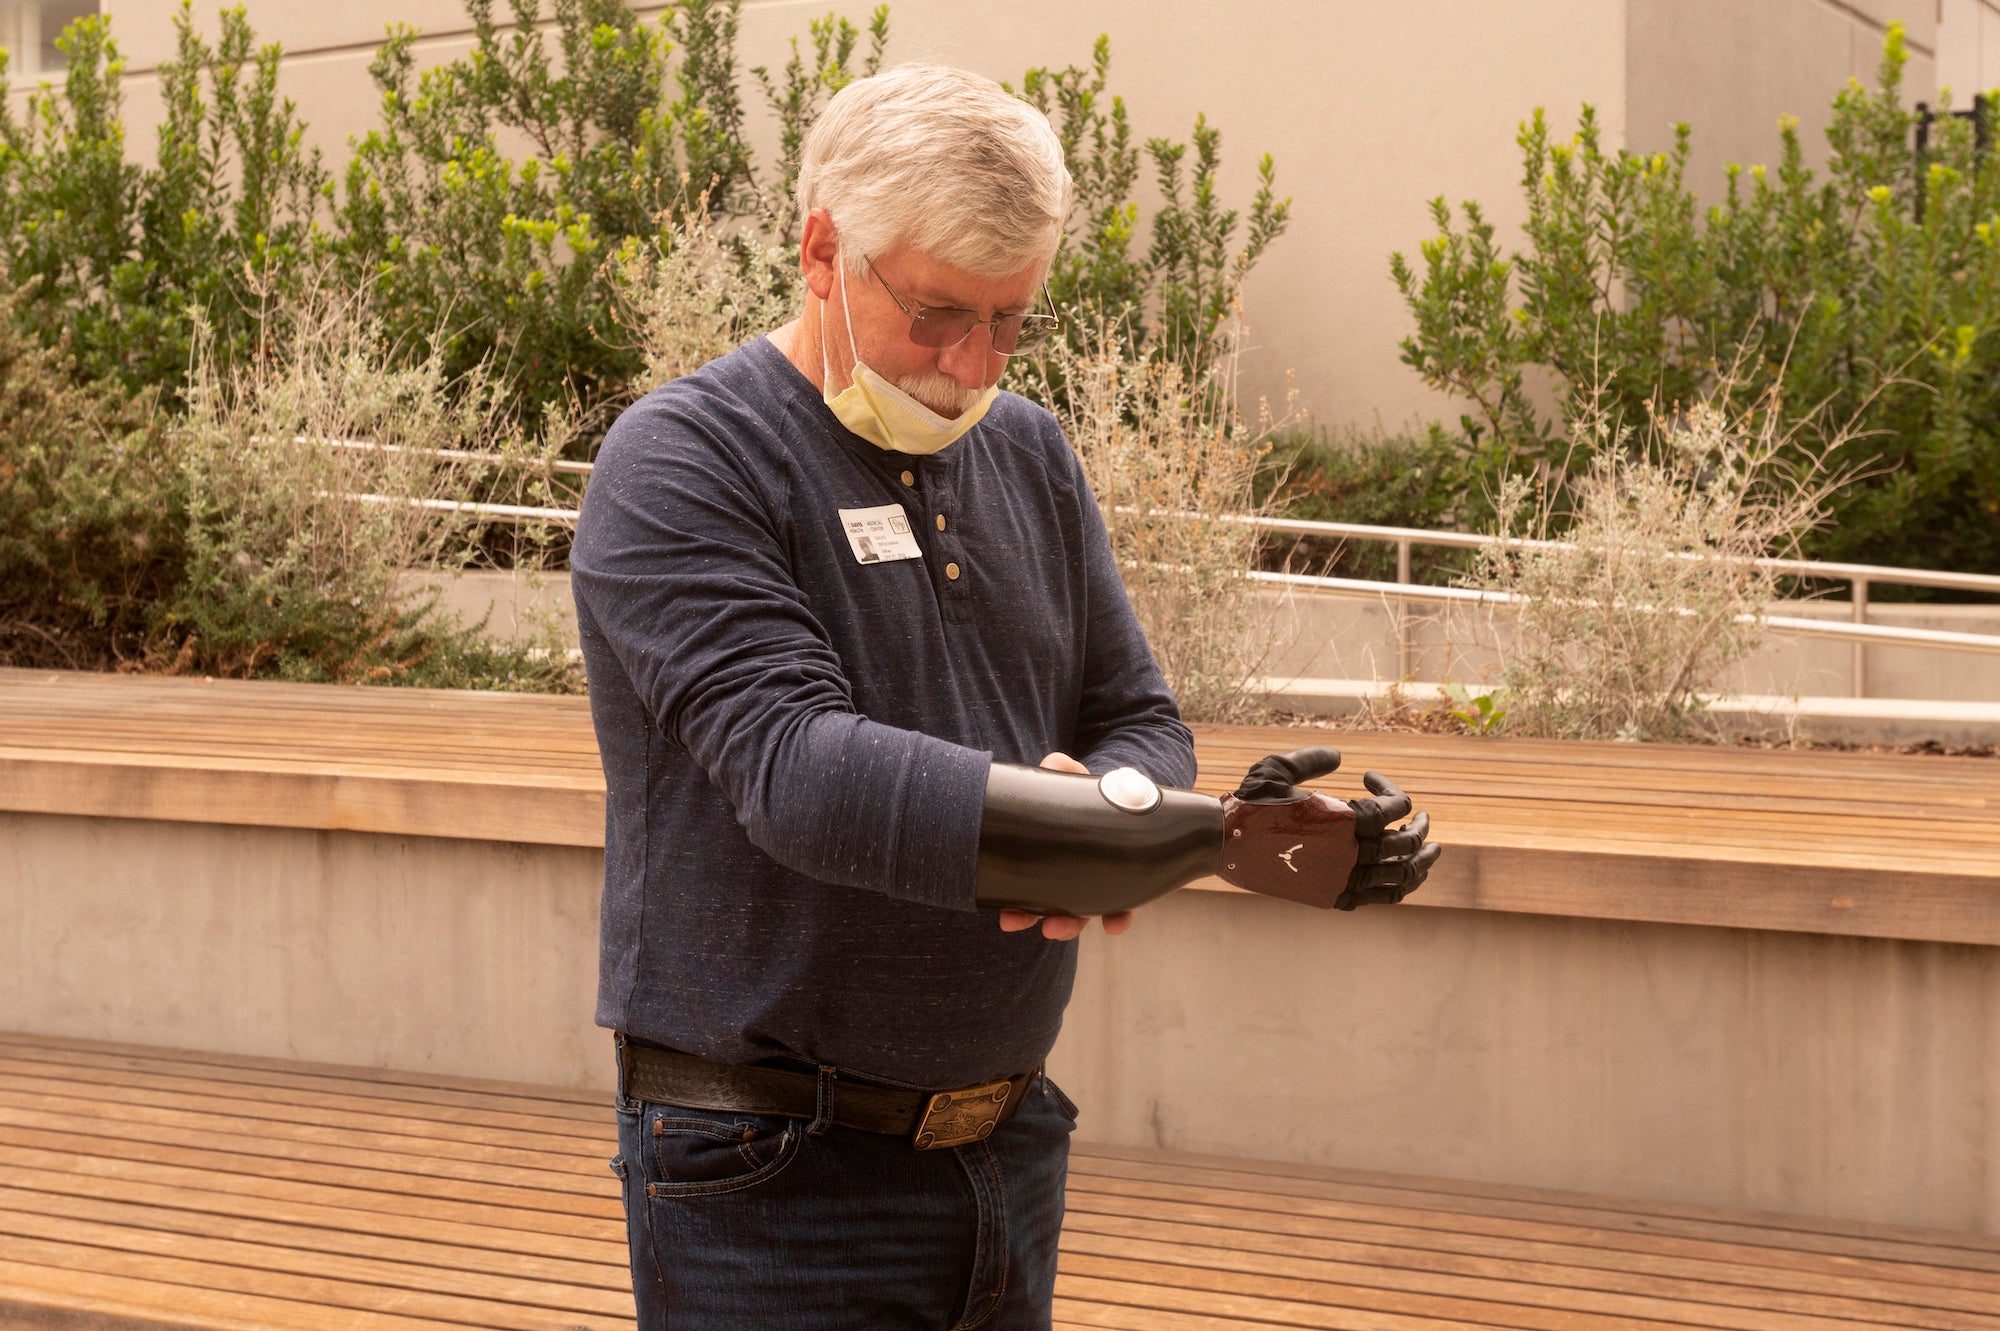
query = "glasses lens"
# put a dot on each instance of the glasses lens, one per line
(933, 327)
(1024, 333)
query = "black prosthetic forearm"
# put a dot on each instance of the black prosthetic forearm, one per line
(1056, 843)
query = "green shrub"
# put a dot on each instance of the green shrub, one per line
(93, 518)
(1872, 290)
(112, 256)
(213, 543)
(1177, 299)
(1371, 479)
(535, 233)
(634, 126)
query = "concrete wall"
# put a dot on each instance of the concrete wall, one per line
(1331, 637)
(1731, 69)
(1325, 637)
(1838, 1076)
(1802, 1074)
(1968, 56)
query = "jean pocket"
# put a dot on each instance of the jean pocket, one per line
(703, 1152)
(1063, 1102)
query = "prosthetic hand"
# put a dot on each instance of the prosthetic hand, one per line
(1312, 848)
(1058, 844)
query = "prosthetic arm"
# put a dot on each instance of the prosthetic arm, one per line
(1059, 844)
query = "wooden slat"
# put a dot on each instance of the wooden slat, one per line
(1461, 1195)
(1517, 1279)
(210, 1197)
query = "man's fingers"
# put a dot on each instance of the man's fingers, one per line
(1390, 805)
(1061, 928)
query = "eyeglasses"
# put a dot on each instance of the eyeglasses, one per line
(941, 326)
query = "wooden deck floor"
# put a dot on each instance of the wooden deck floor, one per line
(144, 1187)
(1876, 846)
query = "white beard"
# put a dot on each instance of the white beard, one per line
(940, 392)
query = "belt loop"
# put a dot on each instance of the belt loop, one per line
(823, 1107)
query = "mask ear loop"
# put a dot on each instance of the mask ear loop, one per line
(826, 365)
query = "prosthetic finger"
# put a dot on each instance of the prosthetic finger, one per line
(1387, 884)
(1273, 777)
(1372, 815)
(1056, 843)
(1401, 843)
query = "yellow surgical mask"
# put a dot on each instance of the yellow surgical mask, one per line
(882, 413)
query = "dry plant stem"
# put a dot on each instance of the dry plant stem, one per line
(1169, 460)
(701, 291)
(1621, 633)
(289, 547)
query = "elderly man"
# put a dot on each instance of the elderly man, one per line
(850, 618)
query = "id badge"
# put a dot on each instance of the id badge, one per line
(879, 535)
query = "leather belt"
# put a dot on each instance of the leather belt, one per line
(930, 1119)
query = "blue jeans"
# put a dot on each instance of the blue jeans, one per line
(745, 1222)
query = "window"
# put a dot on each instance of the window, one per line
(29, 28)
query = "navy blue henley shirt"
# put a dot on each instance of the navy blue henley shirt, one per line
(795, 738)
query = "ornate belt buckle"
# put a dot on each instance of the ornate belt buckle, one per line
(953, 1118)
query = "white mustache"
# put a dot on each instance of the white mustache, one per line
(940, 392)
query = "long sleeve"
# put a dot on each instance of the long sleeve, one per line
(682, 566)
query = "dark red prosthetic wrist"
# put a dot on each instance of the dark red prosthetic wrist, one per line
(1299, 849)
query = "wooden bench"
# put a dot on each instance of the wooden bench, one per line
(144, 1187)
(1897, 847)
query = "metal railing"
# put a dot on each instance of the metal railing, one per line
(1859, 577)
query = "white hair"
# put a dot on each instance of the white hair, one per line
(943, 161)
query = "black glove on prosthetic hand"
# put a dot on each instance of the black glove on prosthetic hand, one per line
(1311, 848)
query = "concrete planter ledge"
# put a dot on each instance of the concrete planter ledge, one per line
(1712, 977)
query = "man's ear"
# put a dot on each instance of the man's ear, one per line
(819, 250)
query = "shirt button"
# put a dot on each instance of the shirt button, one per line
(940, 522)
(909, 478)
(951, 571)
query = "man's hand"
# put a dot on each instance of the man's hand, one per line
(1307, 847)
(1062, 928)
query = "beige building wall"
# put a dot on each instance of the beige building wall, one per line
(1371, 109)
(1968, 57)
(1731, 69)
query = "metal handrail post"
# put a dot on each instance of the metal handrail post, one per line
(1403, 653)
(1860, 602)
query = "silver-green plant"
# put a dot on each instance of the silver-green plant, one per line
(1627, 625)
(700, 290)
(319, 477)
(1173, 462)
